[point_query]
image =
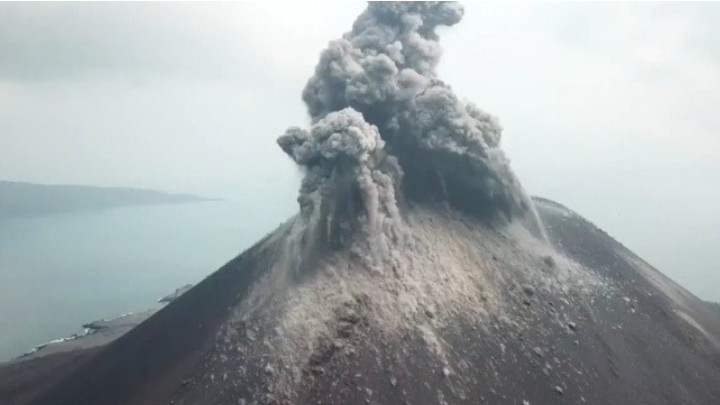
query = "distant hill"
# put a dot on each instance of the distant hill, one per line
(26, 199)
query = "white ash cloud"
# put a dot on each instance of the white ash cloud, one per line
(385, 71)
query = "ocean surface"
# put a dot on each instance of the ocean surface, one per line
(60, 271)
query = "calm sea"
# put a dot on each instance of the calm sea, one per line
(60, 271)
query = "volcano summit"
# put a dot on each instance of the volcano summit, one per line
(417, 271)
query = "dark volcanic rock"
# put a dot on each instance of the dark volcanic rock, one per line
(417, 271)
(617, 331)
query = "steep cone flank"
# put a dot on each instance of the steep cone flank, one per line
(417, 270)
(476, 314)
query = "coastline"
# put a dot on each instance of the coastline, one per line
(96, 333)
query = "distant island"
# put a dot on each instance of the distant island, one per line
(19, 199)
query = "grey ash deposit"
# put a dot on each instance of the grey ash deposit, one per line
(417, 270)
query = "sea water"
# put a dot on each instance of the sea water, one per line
(60, 271)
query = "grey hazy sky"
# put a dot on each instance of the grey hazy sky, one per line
(610, 109)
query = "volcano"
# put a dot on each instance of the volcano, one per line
(417, 271)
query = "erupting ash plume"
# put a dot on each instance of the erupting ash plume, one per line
(400, 281)
(385, 126)
(349, 179)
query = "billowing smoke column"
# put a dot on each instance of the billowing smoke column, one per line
(350, 181)
(384, 126)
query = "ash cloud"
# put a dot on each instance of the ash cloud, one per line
(380, 80)
(350, 182)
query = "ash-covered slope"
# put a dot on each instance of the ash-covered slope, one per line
(417, 271)
(476, 314)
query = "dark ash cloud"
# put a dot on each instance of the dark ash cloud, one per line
(383, 75)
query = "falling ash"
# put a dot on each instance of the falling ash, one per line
(388, 144)
(386, 131)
